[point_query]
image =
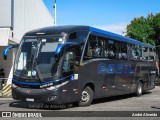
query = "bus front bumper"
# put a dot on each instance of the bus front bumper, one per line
(36, 95)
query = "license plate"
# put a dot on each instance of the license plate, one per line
(30, 99)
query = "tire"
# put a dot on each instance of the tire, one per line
(139, 89)
(86, 97)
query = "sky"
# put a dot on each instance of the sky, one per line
(110, 15)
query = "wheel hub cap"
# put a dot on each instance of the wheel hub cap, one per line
(85, 96)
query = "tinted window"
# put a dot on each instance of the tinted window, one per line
(94, 47)
(135, 52)
(121, 50)
(151, 54)
(82, 35)
(79, 36)
(111, 49)
(124, 50)
(73, 36)
(145, 53)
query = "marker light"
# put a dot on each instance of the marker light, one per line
(56, 86)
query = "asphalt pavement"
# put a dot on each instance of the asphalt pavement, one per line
(124, 105)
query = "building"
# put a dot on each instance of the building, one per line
(16, 18)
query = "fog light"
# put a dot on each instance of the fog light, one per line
(52, 98)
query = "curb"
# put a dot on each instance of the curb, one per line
(0, 93)
(3, 99)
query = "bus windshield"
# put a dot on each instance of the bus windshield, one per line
(36, 57)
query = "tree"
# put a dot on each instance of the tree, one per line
(156, 25)
(145, 29)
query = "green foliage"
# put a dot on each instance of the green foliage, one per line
(145, 29)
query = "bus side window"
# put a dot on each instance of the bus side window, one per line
(92, 45)
(99, 48)
(93, 48)
(124, 50)
(145, 53)
(151, 54)
(106, 53)
(138, 50)
(154, 50)
(134, 52)
(121, 50)
(103, 46)
(111, 49)
(118, 50)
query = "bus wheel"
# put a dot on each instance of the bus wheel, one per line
(139, 89)
(87, 97)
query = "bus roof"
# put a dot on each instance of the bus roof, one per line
(71, 28)
(57, 30)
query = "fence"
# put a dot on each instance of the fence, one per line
(5, 89)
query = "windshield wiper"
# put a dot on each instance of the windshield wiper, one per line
(34, 65)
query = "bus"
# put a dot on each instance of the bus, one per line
(77, 64)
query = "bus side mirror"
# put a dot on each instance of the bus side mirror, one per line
(5, 52)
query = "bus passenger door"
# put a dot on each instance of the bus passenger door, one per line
(69, 73)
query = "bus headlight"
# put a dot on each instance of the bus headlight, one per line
(51, 88)
(14, 86)
(56, 86)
